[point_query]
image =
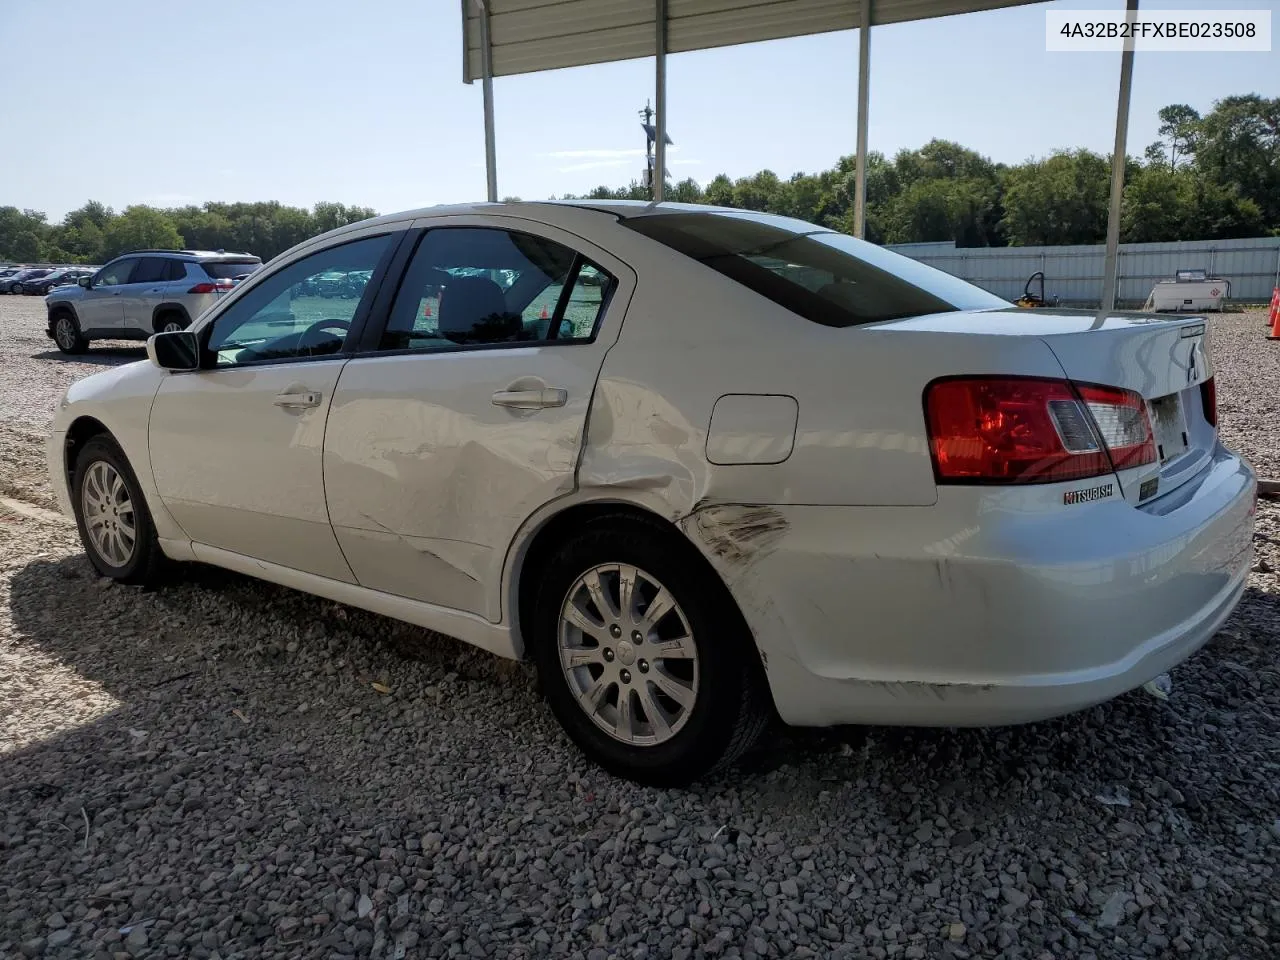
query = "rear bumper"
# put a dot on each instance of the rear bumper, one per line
(990, 608)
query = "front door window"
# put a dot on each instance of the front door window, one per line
(305, 309)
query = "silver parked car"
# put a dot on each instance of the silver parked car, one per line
(142, 293)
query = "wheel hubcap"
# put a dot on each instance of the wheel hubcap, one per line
(171, 326)
(66, 335)
(108, 514)
(628, 654)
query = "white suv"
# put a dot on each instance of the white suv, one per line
(142, 293)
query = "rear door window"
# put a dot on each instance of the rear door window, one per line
(480, 286)
(150, 270)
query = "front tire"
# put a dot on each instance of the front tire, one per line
(115, 525)
(16, 288)
(67, 335)
(643, 657)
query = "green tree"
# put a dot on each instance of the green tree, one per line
(22, 234)
(140, 228)
(1062, 199)
(686, 191)
(84, 244)
(25, 246)
(719, 192)
(1239, 149)
(1158, 204)
(942, 209)
(1179, 131)
(759, 192)
(1220, 213)
(92, 212)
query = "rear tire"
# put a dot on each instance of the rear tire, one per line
(16, 288)
(67, 335)
(115, 525)
(691, 681)
(170, 323)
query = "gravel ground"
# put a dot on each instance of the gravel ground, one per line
(210, 771)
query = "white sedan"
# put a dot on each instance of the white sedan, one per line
(703, 466)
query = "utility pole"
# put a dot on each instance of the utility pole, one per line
(651, 162)
(646, 118)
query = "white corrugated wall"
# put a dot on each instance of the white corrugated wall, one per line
(1074, 274)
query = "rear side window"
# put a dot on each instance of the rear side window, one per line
(150, 270)
(230, 269)
(826, 277)
(481, 286)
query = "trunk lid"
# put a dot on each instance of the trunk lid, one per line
(1164, 358)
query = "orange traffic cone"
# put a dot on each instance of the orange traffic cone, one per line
(1273, 319)
(426, 309)
(544, 312)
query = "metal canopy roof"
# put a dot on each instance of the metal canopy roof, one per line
(531, 35)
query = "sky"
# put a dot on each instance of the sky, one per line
(168, 103)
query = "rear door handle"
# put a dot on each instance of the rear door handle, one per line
(310, 398)
(531, 399)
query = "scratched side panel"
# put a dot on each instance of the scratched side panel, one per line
(428, 480)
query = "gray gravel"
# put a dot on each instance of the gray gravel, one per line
(209, 770)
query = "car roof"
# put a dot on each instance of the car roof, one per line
(551, 211)
(201, 255)
(622, 209)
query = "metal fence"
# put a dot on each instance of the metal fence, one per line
(1073, 275)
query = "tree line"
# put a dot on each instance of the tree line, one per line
(1208, 177)
(95, 233)
(1215, 176)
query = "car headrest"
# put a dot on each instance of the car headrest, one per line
(473, 309)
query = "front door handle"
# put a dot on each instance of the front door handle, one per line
(310, 398)
(531, 399)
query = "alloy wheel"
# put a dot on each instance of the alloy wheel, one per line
(64, 332)
(108, 513)
(628, 654)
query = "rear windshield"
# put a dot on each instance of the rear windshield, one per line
(230, 269)
(826, 277)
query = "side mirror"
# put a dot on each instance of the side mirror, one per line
(85, 282)
(176, 350)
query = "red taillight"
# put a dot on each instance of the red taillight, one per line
(1022, 430)
(212, 287)
(1209, 400)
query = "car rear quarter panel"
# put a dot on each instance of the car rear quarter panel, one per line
(692, 336)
